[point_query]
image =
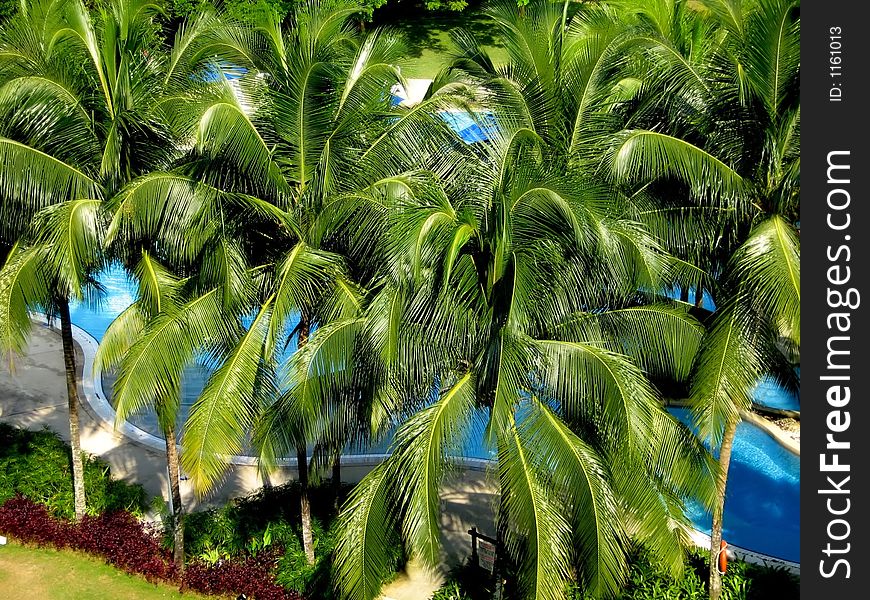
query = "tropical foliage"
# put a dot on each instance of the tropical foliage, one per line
(35, 465)
(353, 272)
(111, 105)
(729, 135)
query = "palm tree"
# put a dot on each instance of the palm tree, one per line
(513, 289)
(498, 307)
(163, 307)
(51, 163)
(89, 103)
(730, 136)
(240, 217)
(53, 264)
(44, 145)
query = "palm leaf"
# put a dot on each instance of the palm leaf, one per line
(728, 368)
(23, 287)
(420, 451)
(768, 264)
(365, 553)
(580, 474)
(225, 411)
(32, 180)
(538, 532)
(152, 368)
(639, 156)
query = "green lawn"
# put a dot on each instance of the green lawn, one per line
(48, 574)
(428, 39)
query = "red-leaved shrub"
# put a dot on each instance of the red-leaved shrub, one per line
(251, 575)
(30, 522)
(123, 541)
(126, 543)
(117, 537)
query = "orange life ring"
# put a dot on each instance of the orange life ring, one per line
(723, 557)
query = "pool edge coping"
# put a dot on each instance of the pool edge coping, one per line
(702, 540)
(773, 431)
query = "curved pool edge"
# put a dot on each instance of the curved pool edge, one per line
(773, 431)
(702, 541)
(96, 399)
(776, 412)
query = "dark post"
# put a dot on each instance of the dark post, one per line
(474, 558)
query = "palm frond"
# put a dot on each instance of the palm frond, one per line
(365, 553)
(225, 411)
(23, 287)
(420, 453)
(580, 475)
(124, 331)
(31, 180)
(662, 339)
(728, 367)
(151, 369)
(538, 532)
(639, 156)
(768, 264)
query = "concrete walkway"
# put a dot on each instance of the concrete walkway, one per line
(33, 395)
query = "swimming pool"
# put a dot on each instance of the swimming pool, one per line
(762, 500)
(706, 299)
(762, 506)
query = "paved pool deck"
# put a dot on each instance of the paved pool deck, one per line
(33, 395)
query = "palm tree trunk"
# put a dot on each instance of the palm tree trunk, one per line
(302, 464)
(500, 530)
(175, 492)
(336, 481)
(69, 363)
(719, 509)
(699, 297)
(305, 501)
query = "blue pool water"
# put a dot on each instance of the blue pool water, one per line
(470, 128)
(768, 392)
(119, 293)
(762, 500)
(478, 128)
(762, 509)
(229, 72)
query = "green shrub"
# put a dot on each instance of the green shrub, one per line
(742, 581)
(236, 527)
(244, 10)
(451, 590)
(294, 572)
(270, 519)
(38, 466)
